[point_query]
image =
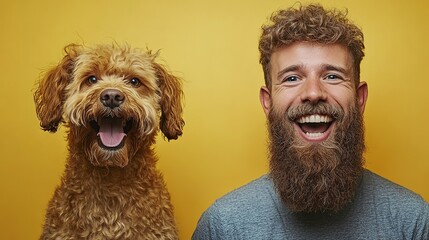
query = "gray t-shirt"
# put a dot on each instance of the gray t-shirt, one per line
(380, 210)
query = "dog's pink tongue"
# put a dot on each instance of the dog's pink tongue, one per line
(111, 132)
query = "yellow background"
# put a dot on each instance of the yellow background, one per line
(212, 45)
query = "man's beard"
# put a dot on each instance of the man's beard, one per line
(316, 177)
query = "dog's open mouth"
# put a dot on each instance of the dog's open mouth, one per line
(111, 131)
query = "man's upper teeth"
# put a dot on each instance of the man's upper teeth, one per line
(315, 118)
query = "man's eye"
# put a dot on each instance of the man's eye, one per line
(290, 79)
(135, 82)
(333, 77)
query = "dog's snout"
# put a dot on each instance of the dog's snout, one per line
(112, 98)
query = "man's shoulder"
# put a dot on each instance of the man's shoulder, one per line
(244, 209)
(401, 202)
(251, 193)
(255, 200)
(387, 189)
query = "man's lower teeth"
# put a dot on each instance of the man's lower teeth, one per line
(313, 135)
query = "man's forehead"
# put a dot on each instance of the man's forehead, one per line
(306, 54)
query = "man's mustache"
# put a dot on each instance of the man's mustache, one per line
(321, 108)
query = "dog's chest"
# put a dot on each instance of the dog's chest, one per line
(112, 216)
(118, 212)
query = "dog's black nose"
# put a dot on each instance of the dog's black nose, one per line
(112, 98)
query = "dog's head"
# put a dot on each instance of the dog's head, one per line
(113, 99)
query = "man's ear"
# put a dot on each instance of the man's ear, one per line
(265, 98)
(362, 95)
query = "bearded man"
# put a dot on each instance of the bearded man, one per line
(317, 187)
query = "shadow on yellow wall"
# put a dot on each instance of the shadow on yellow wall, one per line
(213, 47)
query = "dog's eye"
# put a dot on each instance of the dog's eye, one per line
(91, 80)
(135, 82)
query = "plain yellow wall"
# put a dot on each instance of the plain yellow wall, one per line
(213, 46)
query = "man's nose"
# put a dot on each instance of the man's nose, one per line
(313, 91)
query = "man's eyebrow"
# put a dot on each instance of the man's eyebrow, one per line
(288, 69)
(330, 67)
(325, 67)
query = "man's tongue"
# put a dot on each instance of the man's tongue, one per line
(111, 131)
(314, 127)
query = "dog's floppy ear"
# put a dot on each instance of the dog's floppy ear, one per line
(49, 95)
(171, 122)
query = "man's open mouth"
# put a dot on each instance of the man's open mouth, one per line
(314, 126)
(111, 131)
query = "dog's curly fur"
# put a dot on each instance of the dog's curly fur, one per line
(111, 188)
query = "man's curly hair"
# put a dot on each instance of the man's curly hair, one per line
(310, 23)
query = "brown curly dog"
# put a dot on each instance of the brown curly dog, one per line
(113, 99)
